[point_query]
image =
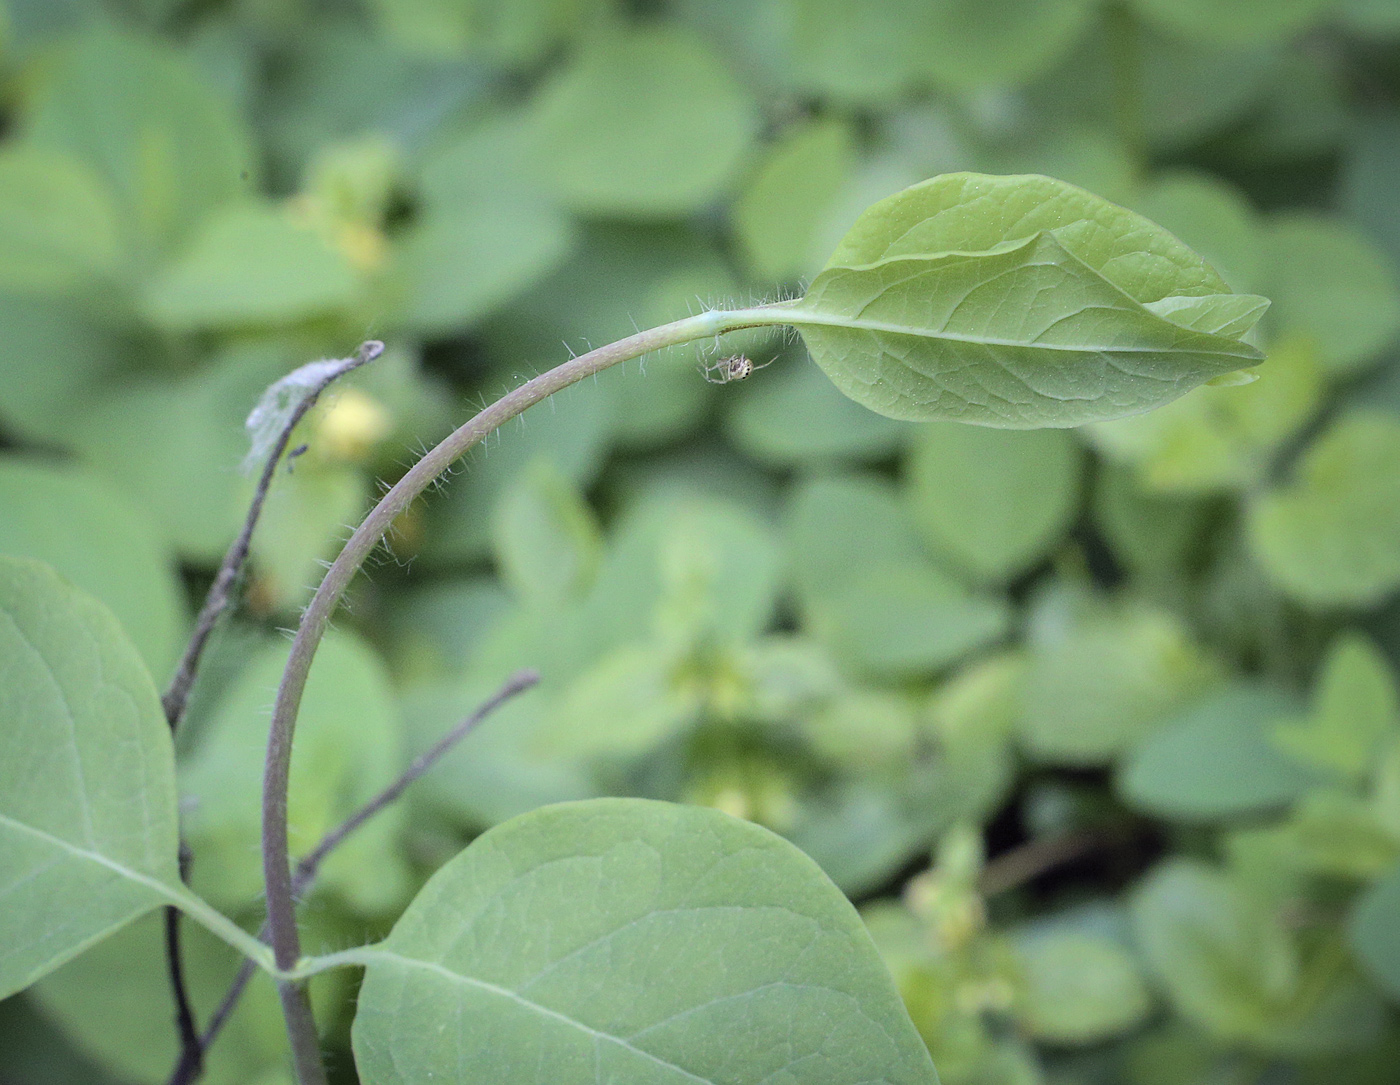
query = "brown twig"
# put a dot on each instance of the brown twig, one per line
(177, 695)
(220, 595)
(1036, 857)
(309, 865)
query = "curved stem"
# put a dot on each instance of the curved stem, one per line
(310, 864)
(277, 872)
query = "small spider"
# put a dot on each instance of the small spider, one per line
(734, 368)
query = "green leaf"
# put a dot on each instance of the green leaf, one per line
(1215, 761)
(53, 358)
(861, 52)
(645, 122)
(1375, 936)
(514, 32)
(974, 43)
(112, 1000)
(136, 112)
(1220, 438)
(1371, 16)
(175, 445)
(1332, 283)
(497, 772)
(793, 416)
(1355, 709)
(1331, 537)
(1106, 682)
(1214, 218)
(303, 525)
(1234, 21)
(87, 776)
(694, 570)
(993, 503)
(251, 264)
(1080, 988)
(547, 540)
(862, 729)
(116, 555)
(347, 750)
(59, 233)
(778, 215)
(1152, 534)
(634, 942)
(1017, 302)
(838, 523)
(898, 621)
(866, 589)
(626, 703)
(461, 262)
(1225, 964)
(1338, 834)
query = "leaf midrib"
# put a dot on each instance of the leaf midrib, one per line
(166, 892)
(799, 317)
(370, 956)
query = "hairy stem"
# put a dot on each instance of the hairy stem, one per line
(281, 911)
(309, 865)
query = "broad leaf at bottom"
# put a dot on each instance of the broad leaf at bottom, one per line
(632, 942)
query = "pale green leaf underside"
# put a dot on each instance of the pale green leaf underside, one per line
(87, 776)
(1023, 336)
(631, 942)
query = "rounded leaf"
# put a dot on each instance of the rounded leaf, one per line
(646, 122)
(1225, 963)
(1079, 988)
(1233, 20)
(251, 264)
(993, 503)
(633, 942)
(1331, 283)
(1332, 536)
(88, 836)
(980, 42)
(1216, 761)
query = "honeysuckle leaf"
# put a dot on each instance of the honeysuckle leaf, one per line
(633, 942)
(1018, 302)
(1331, 537)
(87, 776)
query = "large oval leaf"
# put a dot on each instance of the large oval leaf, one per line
(115, 554)
(1018, 302)
(87, 776)
(630, 941)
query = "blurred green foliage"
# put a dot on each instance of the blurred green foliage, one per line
(1132, 686)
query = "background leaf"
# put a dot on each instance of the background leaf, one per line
(1331, 537)
(118, 557)
(992, 503)
(643, 123)
(1216, 761)
(347, 751)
